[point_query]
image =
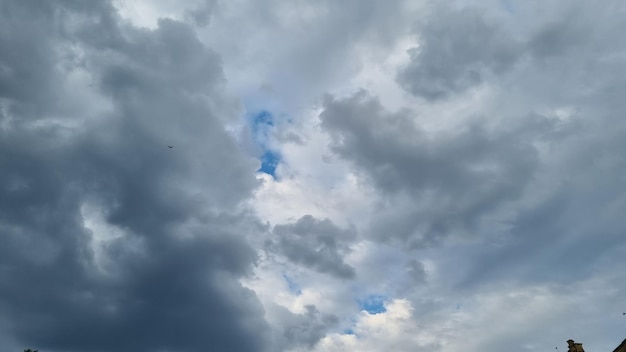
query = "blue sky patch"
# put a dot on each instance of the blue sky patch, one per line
(261, 121)
(373, 304)
(261, 124)
(293, 286)
(269, 161)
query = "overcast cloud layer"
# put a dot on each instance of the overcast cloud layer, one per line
(312, 176)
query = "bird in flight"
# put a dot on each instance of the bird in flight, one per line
(170, 146)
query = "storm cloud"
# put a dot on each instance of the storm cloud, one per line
(457, 50)
(452, 179)
(311, 176)
(318, 244)
(169, 280)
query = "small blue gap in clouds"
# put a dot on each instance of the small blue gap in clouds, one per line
(373, 304)
(348, 332)
(261, 123)
(264, 117)
(293, 286)
(269, 162)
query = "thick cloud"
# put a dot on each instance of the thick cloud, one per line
(461, 49)
(521, 176)
(475, 189)
(301, 49)
(169, 279)
(303, 331)
(457, 49)
(416, 271)
(502, 177)
(317, 244)
(452, 179)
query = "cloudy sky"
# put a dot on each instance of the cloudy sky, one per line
(312, 176)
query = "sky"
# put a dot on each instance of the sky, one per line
(312, 176)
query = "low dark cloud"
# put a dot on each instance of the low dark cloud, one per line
(416, 272)
(451, 179)
(200, 13)
(465, 48)
(496, 197)
(303, 330)
(457, 49)
(530, 180)
(171, 280)
(316, 244)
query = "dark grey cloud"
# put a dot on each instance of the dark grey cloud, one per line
(200, 14)
(576, 191)
(528, 192)
(171, 281)
(573, 31)
(303, 330)
(316, 244)
(457, 50)
(463, 48)
(451, 179)
(576, 217)
(416, 272)
(530, 185)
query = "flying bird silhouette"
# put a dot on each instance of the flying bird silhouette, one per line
(170, 146)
